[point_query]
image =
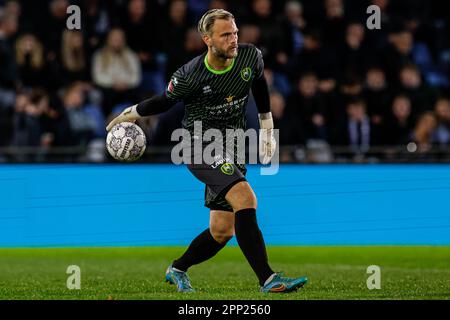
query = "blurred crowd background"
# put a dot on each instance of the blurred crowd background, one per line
(338, 90)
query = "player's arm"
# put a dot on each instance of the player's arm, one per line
(155, 105)
(267, 142)
(177, 90)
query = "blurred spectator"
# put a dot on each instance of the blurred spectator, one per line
(53, 26)
(403, 51)
(27, 125)
(277, 81)
(334, 22)
(379, 39)
(9, 76)
(353, 54)
(96, 24)
(292, 24)
(399, 122)
(217, 4)
(376, 94)
(139, 18)
(31, 61)
(424, 131)
(314, 57)
(38, 124)
(306, 106)
(193, 44)
(289, 132)
(75, 64)
(175, 27)
(270, 38)
(422, 96)
(136, 22)
(357, 131)
(116, 70)
(249, 33)
(398, 52)
(82, 125)
(350, 89)
(442, 134)
(13, 8)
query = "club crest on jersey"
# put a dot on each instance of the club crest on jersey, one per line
(246, 73)
(227, 168)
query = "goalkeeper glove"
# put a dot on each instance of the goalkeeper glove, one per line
(267, 142)
(128, 115)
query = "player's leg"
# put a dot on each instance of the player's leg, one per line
(203, 247)
(250, 239)
(227, 187)
(221, 225)
(209, 242)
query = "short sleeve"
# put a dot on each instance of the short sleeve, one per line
(259, 69)
(178, 87)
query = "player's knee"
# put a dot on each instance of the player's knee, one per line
(241, 196)
(222, 235)
(248, 201)
(245, 202)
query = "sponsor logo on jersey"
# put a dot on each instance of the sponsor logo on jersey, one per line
(229, 98)
(227, 107)
(207, 89)
(246, 73)
(219, 160)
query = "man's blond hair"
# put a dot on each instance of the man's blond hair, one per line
(207, 21)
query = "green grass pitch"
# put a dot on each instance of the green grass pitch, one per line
(137, 273)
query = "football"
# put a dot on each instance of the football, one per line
(126, 142)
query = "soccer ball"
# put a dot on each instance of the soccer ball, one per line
(126, 142)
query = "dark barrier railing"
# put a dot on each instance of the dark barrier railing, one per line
(315, 152)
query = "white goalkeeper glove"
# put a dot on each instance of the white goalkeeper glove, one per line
(267, 142)
(128, 115)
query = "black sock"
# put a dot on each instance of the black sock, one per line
(251, 242)
(202, 248)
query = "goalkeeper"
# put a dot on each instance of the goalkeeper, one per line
(214, 88)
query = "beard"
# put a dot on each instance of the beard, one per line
(223, 53)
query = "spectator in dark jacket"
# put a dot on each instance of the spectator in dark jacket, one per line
(377, 95)
(354, 54)
(136, 22)
(356, 130)
(422, 96)
(399, 122)
(9, 77)
(307, 108)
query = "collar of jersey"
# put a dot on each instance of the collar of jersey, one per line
(218, 71)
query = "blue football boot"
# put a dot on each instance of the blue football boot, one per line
(179, 278)
(280, 284)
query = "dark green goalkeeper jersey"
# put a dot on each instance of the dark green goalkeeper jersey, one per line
(216, 98)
